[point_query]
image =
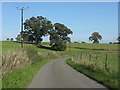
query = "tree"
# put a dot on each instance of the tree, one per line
(59, 36)
(36, 27)
(11, 39)
(7, 39)
(95, 37)
(18, 38)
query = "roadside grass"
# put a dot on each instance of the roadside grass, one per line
(99, 61)
(16, 78)
(13, 46)
(90, 48)
(21, 78)
(110, 80)
(92, 67)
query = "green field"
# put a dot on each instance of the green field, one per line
(97, 49)
(106, 47)
(14, 79)
(98, 61)
(73, 50)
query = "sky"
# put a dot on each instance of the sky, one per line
(83, 18)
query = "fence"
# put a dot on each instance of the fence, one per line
(107, 61)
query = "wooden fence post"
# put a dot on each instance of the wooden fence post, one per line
(96, 61)
(106, 61)
(89, 57)
(80, 56)
(96, 56)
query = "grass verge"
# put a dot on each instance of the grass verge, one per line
(20, 78)
(109, 80)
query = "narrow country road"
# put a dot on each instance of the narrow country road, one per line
(57, 74)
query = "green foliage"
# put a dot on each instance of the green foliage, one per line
(95, 37)
(59, 37)
(59, 46)
(11, 39)
(36, 27)
(83, 42)
(39, 26)
(7, 39)
(18, 38)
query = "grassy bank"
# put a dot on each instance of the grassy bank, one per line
(20, 78)
(21, 64)
(108, 79)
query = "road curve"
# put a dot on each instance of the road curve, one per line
(57, 74)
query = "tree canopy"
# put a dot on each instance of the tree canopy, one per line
(95, 37)
(59, 36)
(36, 27)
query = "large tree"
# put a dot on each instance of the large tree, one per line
(95, 37)
(36, 27)
(59, 36)
(7, 39)
(11, 39)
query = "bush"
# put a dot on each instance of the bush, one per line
(59, 46)
(83, 42)
(75, 42)
(110, 42)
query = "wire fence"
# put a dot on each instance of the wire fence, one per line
(107, 61)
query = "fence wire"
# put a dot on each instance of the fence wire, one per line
(105, 61)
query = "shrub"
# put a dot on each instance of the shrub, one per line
(59, 46)
(110, 42)
(83, 42)
(75, 42)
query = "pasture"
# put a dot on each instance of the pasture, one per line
(26, 61)
(87, 54)
(96, 53)
(98, 61)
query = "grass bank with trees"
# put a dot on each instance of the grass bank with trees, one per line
(22, 75)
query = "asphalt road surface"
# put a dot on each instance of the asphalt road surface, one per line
(57, 74)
